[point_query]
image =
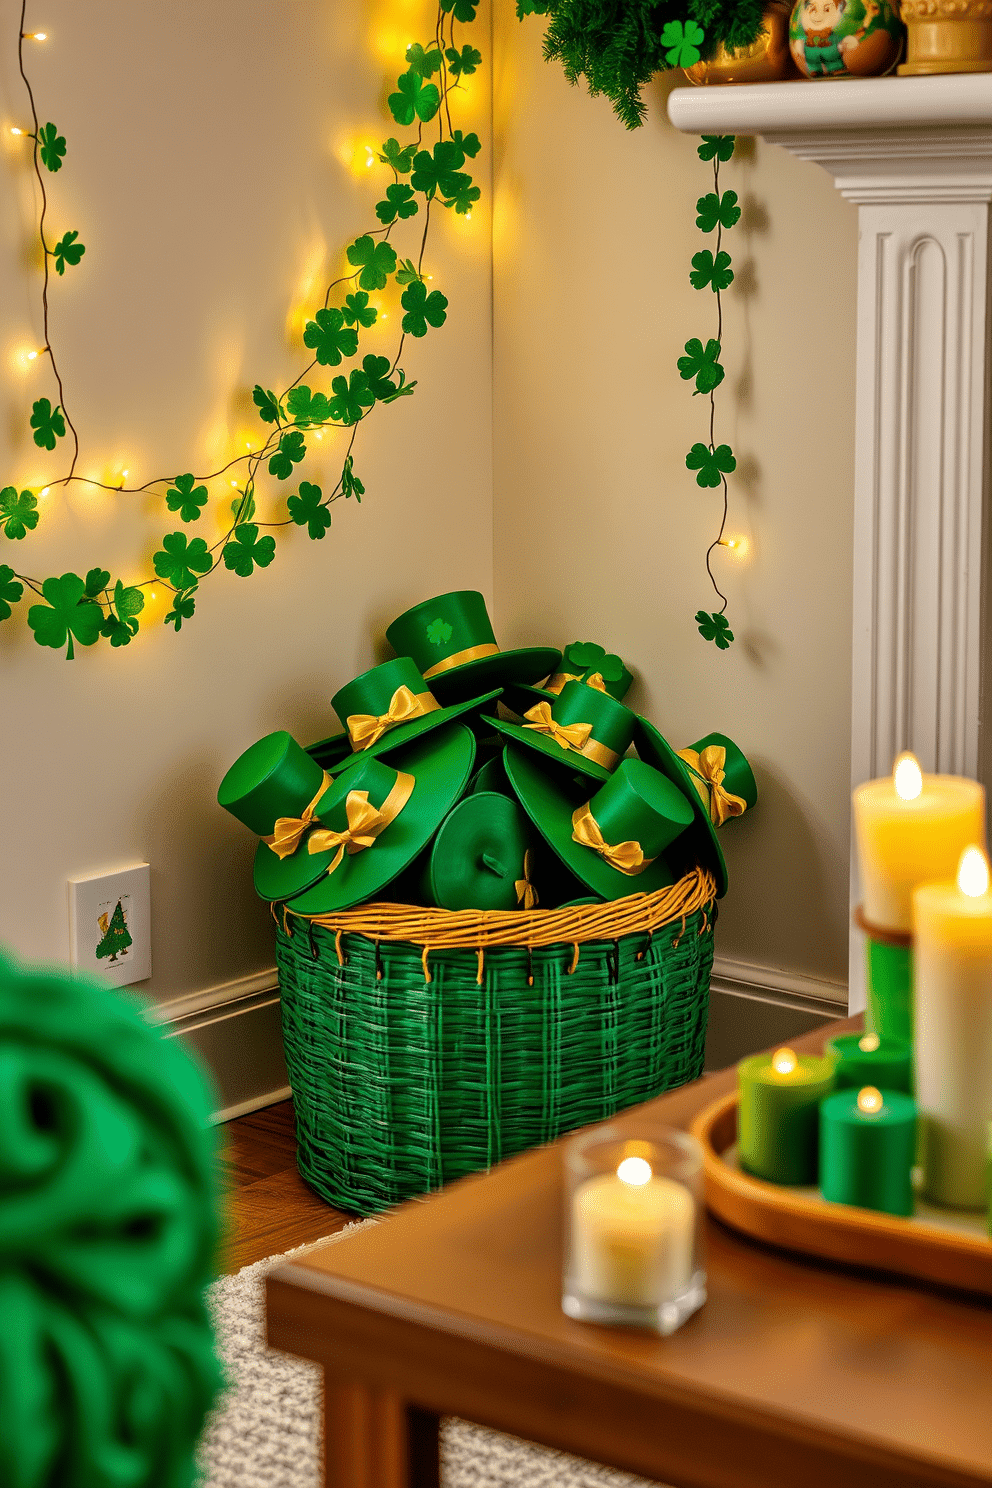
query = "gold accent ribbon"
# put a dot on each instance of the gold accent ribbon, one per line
(365, 822)
(365, 729)
(596, 680)
(471, 653)
(627, 857)
(526, 892)
(557, 682)
(574, 736)
(287, 833)
(707, 772)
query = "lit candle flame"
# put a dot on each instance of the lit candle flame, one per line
(973, 873)
(869, 1043)
(634, 1170)
(784, 1061)
(907, 777)
(869, 1100)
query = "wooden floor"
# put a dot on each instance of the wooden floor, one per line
(269, 1208)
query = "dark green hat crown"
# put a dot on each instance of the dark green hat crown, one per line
(274, 778)
(581, 727)
(721, 776)
(639, 804)
(372, 693)
(444, 632)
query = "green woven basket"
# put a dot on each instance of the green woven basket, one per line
(425, 1044)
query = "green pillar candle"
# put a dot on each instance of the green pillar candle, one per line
(868, 1148)
(865, 1059)
(890, 988)
(777, 1124)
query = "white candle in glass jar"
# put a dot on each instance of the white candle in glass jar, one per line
(952, 994)
(633, 1236)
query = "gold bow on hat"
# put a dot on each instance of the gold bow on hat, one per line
(596, 680)
(526, 892)
(626, 857)
(557, 682)
(707, 771)
(287, 834)
(566, 735)
(365, 822)
(366, 729)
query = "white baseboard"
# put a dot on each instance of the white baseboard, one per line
(788, 988)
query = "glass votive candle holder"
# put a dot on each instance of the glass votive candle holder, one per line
(634, 1229)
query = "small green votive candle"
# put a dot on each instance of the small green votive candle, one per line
(868, 1148)
(778, 1117)
(867, 1059)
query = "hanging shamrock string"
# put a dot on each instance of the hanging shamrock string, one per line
(428, 174)
(701, 364)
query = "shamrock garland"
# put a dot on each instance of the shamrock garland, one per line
(427, 175)
(701, 364)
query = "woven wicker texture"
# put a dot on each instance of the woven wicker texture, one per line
(423, 1045)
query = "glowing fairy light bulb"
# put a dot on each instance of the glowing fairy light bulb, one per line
(635, 1171)
(19, 133)
(35, 35)
(973, 873)
(869, 1043)
(870, 1100)
(44, 491)
(784, 1062)
(907, 776)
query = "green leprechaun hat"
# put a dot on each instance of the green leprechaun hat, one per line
(614, 839)
(481, 856)
(387, 707)
(582, 661)
(451, 639)
(377, 817)
(582, 728)
(718, 782)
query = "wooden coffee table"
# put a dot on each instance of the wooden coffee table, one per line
(794, 1375)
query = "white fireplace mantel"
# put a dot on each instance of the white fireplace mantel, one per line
(915, 155)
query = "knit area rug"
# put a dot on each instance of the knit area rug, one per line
(266, 1432)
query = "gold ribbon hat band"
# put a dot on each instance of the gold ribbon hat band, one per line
(287, 834)
(574, 736)
(627, 857)
(557, 682)
(707, 770)
(365, 822)
(366, 729)
(471, 653)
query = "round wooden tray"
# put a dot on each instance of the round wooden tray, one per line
(951, 1248)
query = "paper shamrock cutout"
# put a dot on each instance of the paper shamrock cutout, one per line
(67, 251)
(121, 624)
(268, 405)
(399, 203)
(350, 484)
(246, 549)
(307, 510)
(716, 628)
(422, 309)
(18, 513)
(65, 615)
(292, 449)
(186, 499)
(179, 561)
(328, 337)
(413, 99)
(438, 632)
(183, 607)
(51, 147)
(713, 209)
(586, 656)
(463, 63)
(307, 407)
(351, 397)
(464, 9)
(376, 261)
(683, 40)
(10, 591)
(426, 63)
(48, 424)
(712, 465)
(702, 364)
(439, 172)
(716, 272)
(401, 160)
(96, 579)
(716, 147)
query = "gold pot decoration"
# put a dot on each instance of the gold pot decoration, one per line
(766, 60)
(947, 36)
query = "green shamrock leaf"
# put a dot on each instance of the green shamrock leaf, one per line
(243, 505)
(183, 607)
(179, 561)
(712, 465)
(713, 209)
(531, 7)
(64, 615)
(438, 171)
(122, 621)
(246, 550)
(328, 337)
(414, 99)
(376, 261)
(716, 272)
(357, 310)
(408, 273)
(403, 390)
(401, 160)
(307, 510)
(268, 405)
(464, 9)
(185, 498)
(425, 63)
(422, 309)
(683, 42)
(720, 146)
(380, 384)
(465, 197)
(51, 147)
(703, 365)
(10, 591)
(292, 449)
(47, 423)
(18, 514)
(350, 398)
(96, 581)
(715, 627)
(350, 484)
(399, 203)
(307, 407)
(463, 63)
(469, 144)
(67, 251)
(438, 632)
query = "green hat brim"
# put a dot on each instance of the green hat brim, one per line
(569, 759)
(519, 698)
(328, 752)
(481, 822)
(491, 777)
(549, 803)
(278, 878)
(406, 733)
(700, 841)
(500, 670)
(440, 766)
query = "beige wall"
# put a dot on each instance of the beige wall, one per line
(601, 531)
(205, 176)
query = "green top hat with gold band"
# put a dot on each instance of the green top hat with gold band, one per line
(481, 856)
(377, 817)
(582, 661)
(451, 640)
(718, 781)
(582, 728)
(613, 839)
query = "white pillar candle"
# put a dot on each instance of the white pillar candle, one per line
(952, 992)
(633, 1236)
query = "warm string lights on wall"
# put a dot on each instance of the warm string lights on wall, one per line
(428, 173)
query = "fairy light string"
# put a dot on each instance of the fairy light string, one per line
(428, 172)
